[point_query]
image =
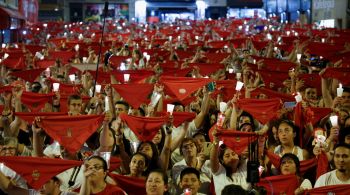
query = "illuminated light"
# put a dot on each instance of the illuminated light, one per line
(201, 6)
(140, 10)
(45, 25)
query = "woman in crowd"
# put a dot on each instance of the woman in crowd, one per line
(138, 165)
(157, 183)
(95, 174)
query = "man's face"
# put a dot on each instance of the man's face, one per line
(311, 93)
(48, 187)
(342, 159)
(120, 108)
(345, 99)
(8, 150)
(190, 181)
(75, 107)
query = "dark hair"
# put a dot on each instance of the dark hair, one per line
(189, 170)
(346, 89)
(153, 163)
(294, 127)
(246, 114)
(233, 189)
(271, 141)
(343, 132)
(188, 139)
(295, 159)
(104, 163)
(146, 160)
(127, 106)
(164, 176)
(228, 169)
(344, 145)
(73, 97)
(36, 89)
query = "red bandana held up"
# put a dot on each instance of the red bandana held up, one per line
(273, 94)
(206, 69)
(183, 87)
(71, 131)
(322, 165)
(131, 185)
(342, 74)
(180, 117)
(341, 189)
(281, 184)
(136, 76)
(236, 140)
(262, 109)
(35, 101)
(135, 94)
(37, 171)
(145, 128)
(30, 116)
(28, 75)
(114, 163)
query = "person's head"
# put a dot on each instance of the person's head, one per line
(346, 98)
(51, 187)
(344, 135)
(188, 148)
(200, 139)
(246, 127)
(99, 166)
(310, 93)
(137, 112)
(9, 146)
(287, 131)
(121, 107)
(150, 150)
(156, 183)
(74, 104)
(343, 114)
(178, 107)
(347, 122)
(233, 189)
(229, 160)
(244, 119)
(342, 157)
(190, 179)
(36, 87)
(289, 164)
(138, 164)
(110, 140)
(158, 139)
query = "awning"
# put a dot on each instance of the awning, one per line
(11, 13)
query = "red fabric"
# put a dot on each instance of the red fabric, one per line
(35, 101)
(30, 116)
(180, 117)
(314, 114)
(114, 163)
(184, 102)
(273, 77)
(216, 57)
(207, 69)
(299, 120)
(71, 131)
(64, 56)
(276, 65)
(45, 63)
(322, 165)
(176, 72)
(37, 171)
(34, 48)
(64, 101)
(7, 89)
(28, 75)
(134, 94)
(131, 185)
(183, 87)
(68, 89)
(343, 189)
(14, 63)
(103, 77)
(304, 164)
(217, 44)
(262, 109)
(281, 184)
(312, 80)
(111, 190)
(135, 75)
(236, 140)
(145, 128)
(227, 88)
(342, 74)
(273, 94)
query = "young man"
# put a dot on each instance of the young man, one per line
(190, 181)
(341, 174)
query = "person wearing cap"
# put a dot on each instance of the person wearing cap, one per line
(341, 173)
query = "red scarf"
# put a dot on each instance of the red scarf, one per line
(36, 101)
(145, 128)
(37, 171)
(71, 131)
(30, 116)
(236, 140)
(343, 189)
(28, 75)
(281, 184)
(131, 185)
(180, 117)
(134, 94)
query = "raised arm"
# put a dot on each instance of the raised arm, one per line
(214, 156)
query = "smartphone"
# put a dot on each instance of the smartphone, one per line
(289, 104)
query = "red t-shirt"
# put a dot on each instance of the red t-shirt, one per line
(111, 190)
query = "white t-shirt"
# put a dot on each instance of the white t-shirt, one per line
(328, 179)
(238, 178)
(306, 184)
(19, 181)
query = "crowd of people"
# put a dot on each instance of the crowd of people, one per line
(227, 106)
